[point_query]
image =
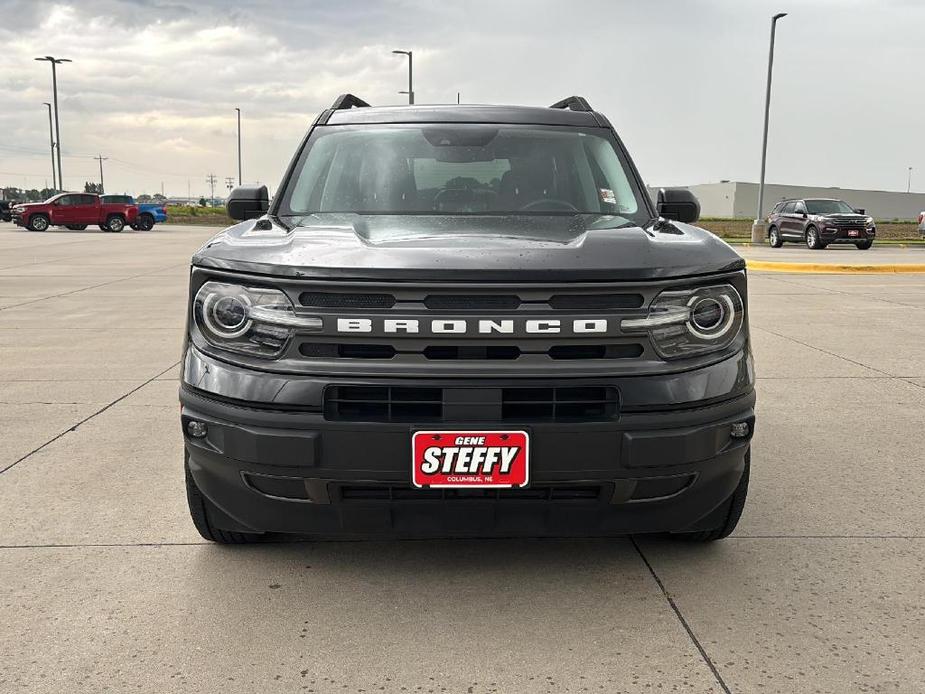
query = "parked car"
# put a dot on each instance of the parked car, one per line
(817, 222)
(922, 223)
(149, 213)
(485, 328)
(75, 211)
(5, 214)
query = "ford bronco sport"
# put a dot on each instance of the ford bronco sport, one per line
(465, 320)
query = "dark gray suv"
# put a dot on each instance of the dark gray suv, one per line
(465, 321)
(817, 222)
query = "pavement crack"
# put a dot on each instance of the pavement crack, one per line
(681, 618)
(88, 418)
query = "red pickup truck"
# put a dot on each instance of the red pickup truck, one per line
(75, 211)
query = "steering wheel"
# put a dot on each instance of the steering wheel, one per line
(563, 205)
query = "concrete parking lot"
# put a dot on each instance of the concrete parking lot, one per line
(105, 586)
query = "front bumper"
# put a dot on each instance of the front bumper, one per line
(657, 466)
(840, 235)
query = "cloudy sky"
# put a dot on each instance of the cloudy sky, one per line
(154, 83)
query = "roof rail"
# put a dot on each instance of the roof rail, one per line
(573, 103)
(347, 101)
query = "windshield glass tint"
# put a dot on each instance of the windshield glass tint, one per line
(829, 207)
(452, 169)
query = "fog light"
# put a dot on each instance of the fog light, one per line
(740, 430)
(196, 429)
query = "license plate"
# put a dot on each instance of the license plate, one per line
(470, 459)
(853, 232)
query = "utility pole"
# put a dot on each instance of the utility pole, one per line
(51, 140)
(758, 226)
(101, 159)
(54, 86)
(909, 181)
(229, 183)
(211, 180)
(410, 91)
(239, 145)
(457, 97)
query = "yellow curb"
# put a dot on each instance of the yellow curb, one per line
(771, 266)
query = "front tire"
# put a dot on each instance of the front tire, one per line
(864, 245)
(812, 239)
(774, 238)
(115, 223)
(199, 507)
(37, 222)
(732, 514)
(145, 222)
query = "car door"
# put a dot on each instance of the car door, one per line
(785, 220)
(62, 210)
(799, 219)
(87, 210)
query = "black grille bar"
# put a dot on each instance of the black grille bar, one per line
(410, 404)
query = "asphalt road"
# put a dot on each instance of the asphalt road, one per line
(104, 585)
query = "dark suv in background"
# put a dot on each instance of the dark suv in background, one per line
(817, 222)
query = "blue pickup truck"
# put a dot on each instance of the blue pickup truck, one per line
(149, 213)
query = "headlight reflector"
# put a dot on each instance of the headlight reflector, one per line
(688, 322)
(249, 320)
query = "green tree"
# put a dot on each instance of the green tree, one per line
(90, 187)
(202, 202)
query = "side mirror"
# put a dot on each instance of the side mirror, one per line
(679, 204)
(248, 202)
(804, 214)
(861, 210)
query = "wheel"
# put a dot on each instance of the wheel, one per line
(37, 222)
(864, 245)
(145, 222)
(76, 227)
(812, 239)
(733, 511)
(115, 223)
(199, 511)
(774, 238)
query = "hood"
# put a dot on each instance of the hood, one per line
(447, 248)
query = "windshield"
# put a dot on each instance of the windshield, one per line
(452, 169)
(829, 207)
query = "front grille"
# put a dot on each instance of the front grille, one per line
(483, 352)
(539, 493)
(452, 302)
(470, 328)
(410, 404)
(341, 300)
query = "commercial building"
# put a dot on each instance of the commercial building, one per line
(739, 199)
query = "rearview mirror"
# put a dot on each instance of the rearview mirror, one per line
(679, 204)
(248, 202)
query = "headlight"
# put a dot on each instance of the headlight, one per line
(869, 221)
(688, 322)
(249, 320)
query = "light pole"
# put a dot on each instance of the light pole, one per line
(101, 159)
(239, 145)
(909, 181)
(758, 226)
(54, 86)
(410, 91)
(51, 140)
